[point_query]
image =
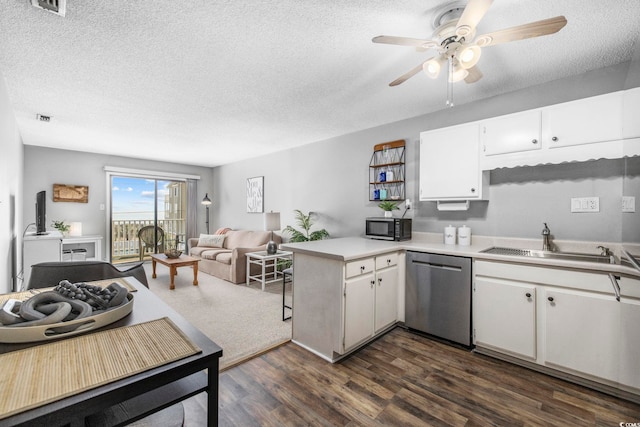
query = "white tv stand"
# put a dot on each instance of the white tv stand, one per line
(92, 244)
(51, 246)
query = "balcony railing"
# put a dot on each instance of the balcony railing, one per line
(125, 246)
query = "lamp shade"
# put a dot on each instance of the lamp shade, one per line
(206, 201)
(272, 221)
(75, 229)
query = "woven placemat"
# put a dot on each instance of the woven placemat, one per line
(49, 372)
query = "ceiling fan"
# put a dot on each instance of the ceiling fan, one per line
(454, 40)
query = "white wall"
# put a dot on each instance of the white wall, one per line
(331, 177)
(44, 167)
(10, 192)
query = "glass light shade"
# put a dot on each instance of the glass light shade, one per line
(469, 56)
(432, 67)
(458, 74)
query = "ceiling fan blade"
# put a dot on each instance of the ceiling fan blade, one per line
(406, 76)
(474, 75)
(471, 15)
(405, 41)
(521, 32)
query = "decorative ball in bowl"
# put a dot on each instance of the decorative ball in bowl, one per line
(173, 253)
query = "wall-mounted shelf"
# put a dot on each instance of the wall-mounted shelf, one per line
(386, 171)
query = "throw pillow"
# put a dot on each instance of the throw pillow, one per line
(211, 240)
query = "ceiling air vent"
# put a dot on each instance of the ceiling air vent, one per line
(59, 7)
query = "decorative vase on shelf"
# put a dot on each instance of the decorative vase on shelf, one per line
(388, 214)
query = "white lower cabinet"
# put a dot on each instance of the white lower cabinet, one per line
(504, 316)
(581, 332)
(386, 295)
(359, 300)
(629, 344)
(566, 320)
(370, 298)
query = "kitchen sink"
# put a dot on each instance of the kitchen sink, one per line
(567, 256)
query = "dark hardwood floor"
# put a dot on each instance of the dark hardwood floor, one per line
(404, 379)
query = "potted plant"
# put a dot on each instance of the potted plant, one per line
(61, 227)
(388, 208)
(305, 222)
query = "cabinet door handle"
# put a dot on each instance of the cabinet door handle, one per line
(528, 294)
(473, 190)
(373, 282)
(535, 141)
(555, 138)
(379, 281)
(550, 299)
(388, 262)
(362, 268)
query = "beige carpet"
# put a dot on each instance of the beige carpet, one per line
(243, 320)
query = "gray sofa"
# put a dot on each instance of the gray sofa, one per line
(229, 261)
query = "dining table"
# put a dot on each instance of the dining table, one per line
(130, 397)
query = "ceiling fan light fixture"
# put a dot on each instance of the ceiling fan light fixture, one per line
(432, 67)
(469, 56)
(458, 74)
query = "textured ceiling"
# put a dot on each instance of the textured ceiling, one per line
(213, 82)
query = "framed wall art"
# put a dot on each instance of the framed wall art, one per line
(70, 193)
(255, 200)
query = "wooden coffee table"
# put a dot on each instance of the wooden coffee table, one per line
(173, 264)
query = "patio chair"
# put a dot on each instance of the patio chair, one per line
(147, 239)
(48, 274)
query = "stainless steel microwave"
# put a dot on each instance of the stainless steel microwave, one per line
(397, 229)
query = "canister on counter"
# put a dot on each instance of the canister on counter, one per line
(450, 235)
(464, 236)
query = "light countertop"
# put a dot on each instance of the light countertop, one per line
(351, 248)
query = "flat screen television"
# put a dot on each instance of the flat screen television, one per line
(41, 212)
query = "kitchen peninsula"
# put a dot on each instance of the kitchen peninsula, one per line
(349, 291)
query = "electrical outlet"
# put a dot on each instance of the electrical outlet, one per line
(585, 204)
(628, 204)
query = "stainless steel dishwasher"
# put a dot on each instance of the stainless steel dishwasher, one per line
(438, 296)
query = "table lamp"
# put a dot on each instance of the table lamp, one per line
(271, 223)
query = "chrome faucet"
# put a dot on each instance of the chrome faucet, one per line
(605, 251)
(546, 238)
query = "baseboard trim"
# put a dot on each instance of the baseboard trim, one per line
(254, 355)
(604, 388)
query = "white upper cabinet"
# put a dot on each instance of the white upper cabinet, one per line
(631, 113)
(511, 134)
(585, 121)
(450, 164)
(598, 127)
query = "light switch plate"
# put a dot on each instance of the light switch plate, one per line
(628, 204)
(585, 204)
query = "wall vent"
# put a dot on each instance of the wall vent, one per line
(58, 7)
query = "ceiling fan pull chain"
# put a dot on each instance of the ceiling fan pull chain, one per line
(449, 102)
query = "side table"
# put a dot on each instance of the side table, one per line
(268, 266)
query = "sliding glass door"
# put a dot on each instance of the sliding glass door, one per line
(147, 216)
